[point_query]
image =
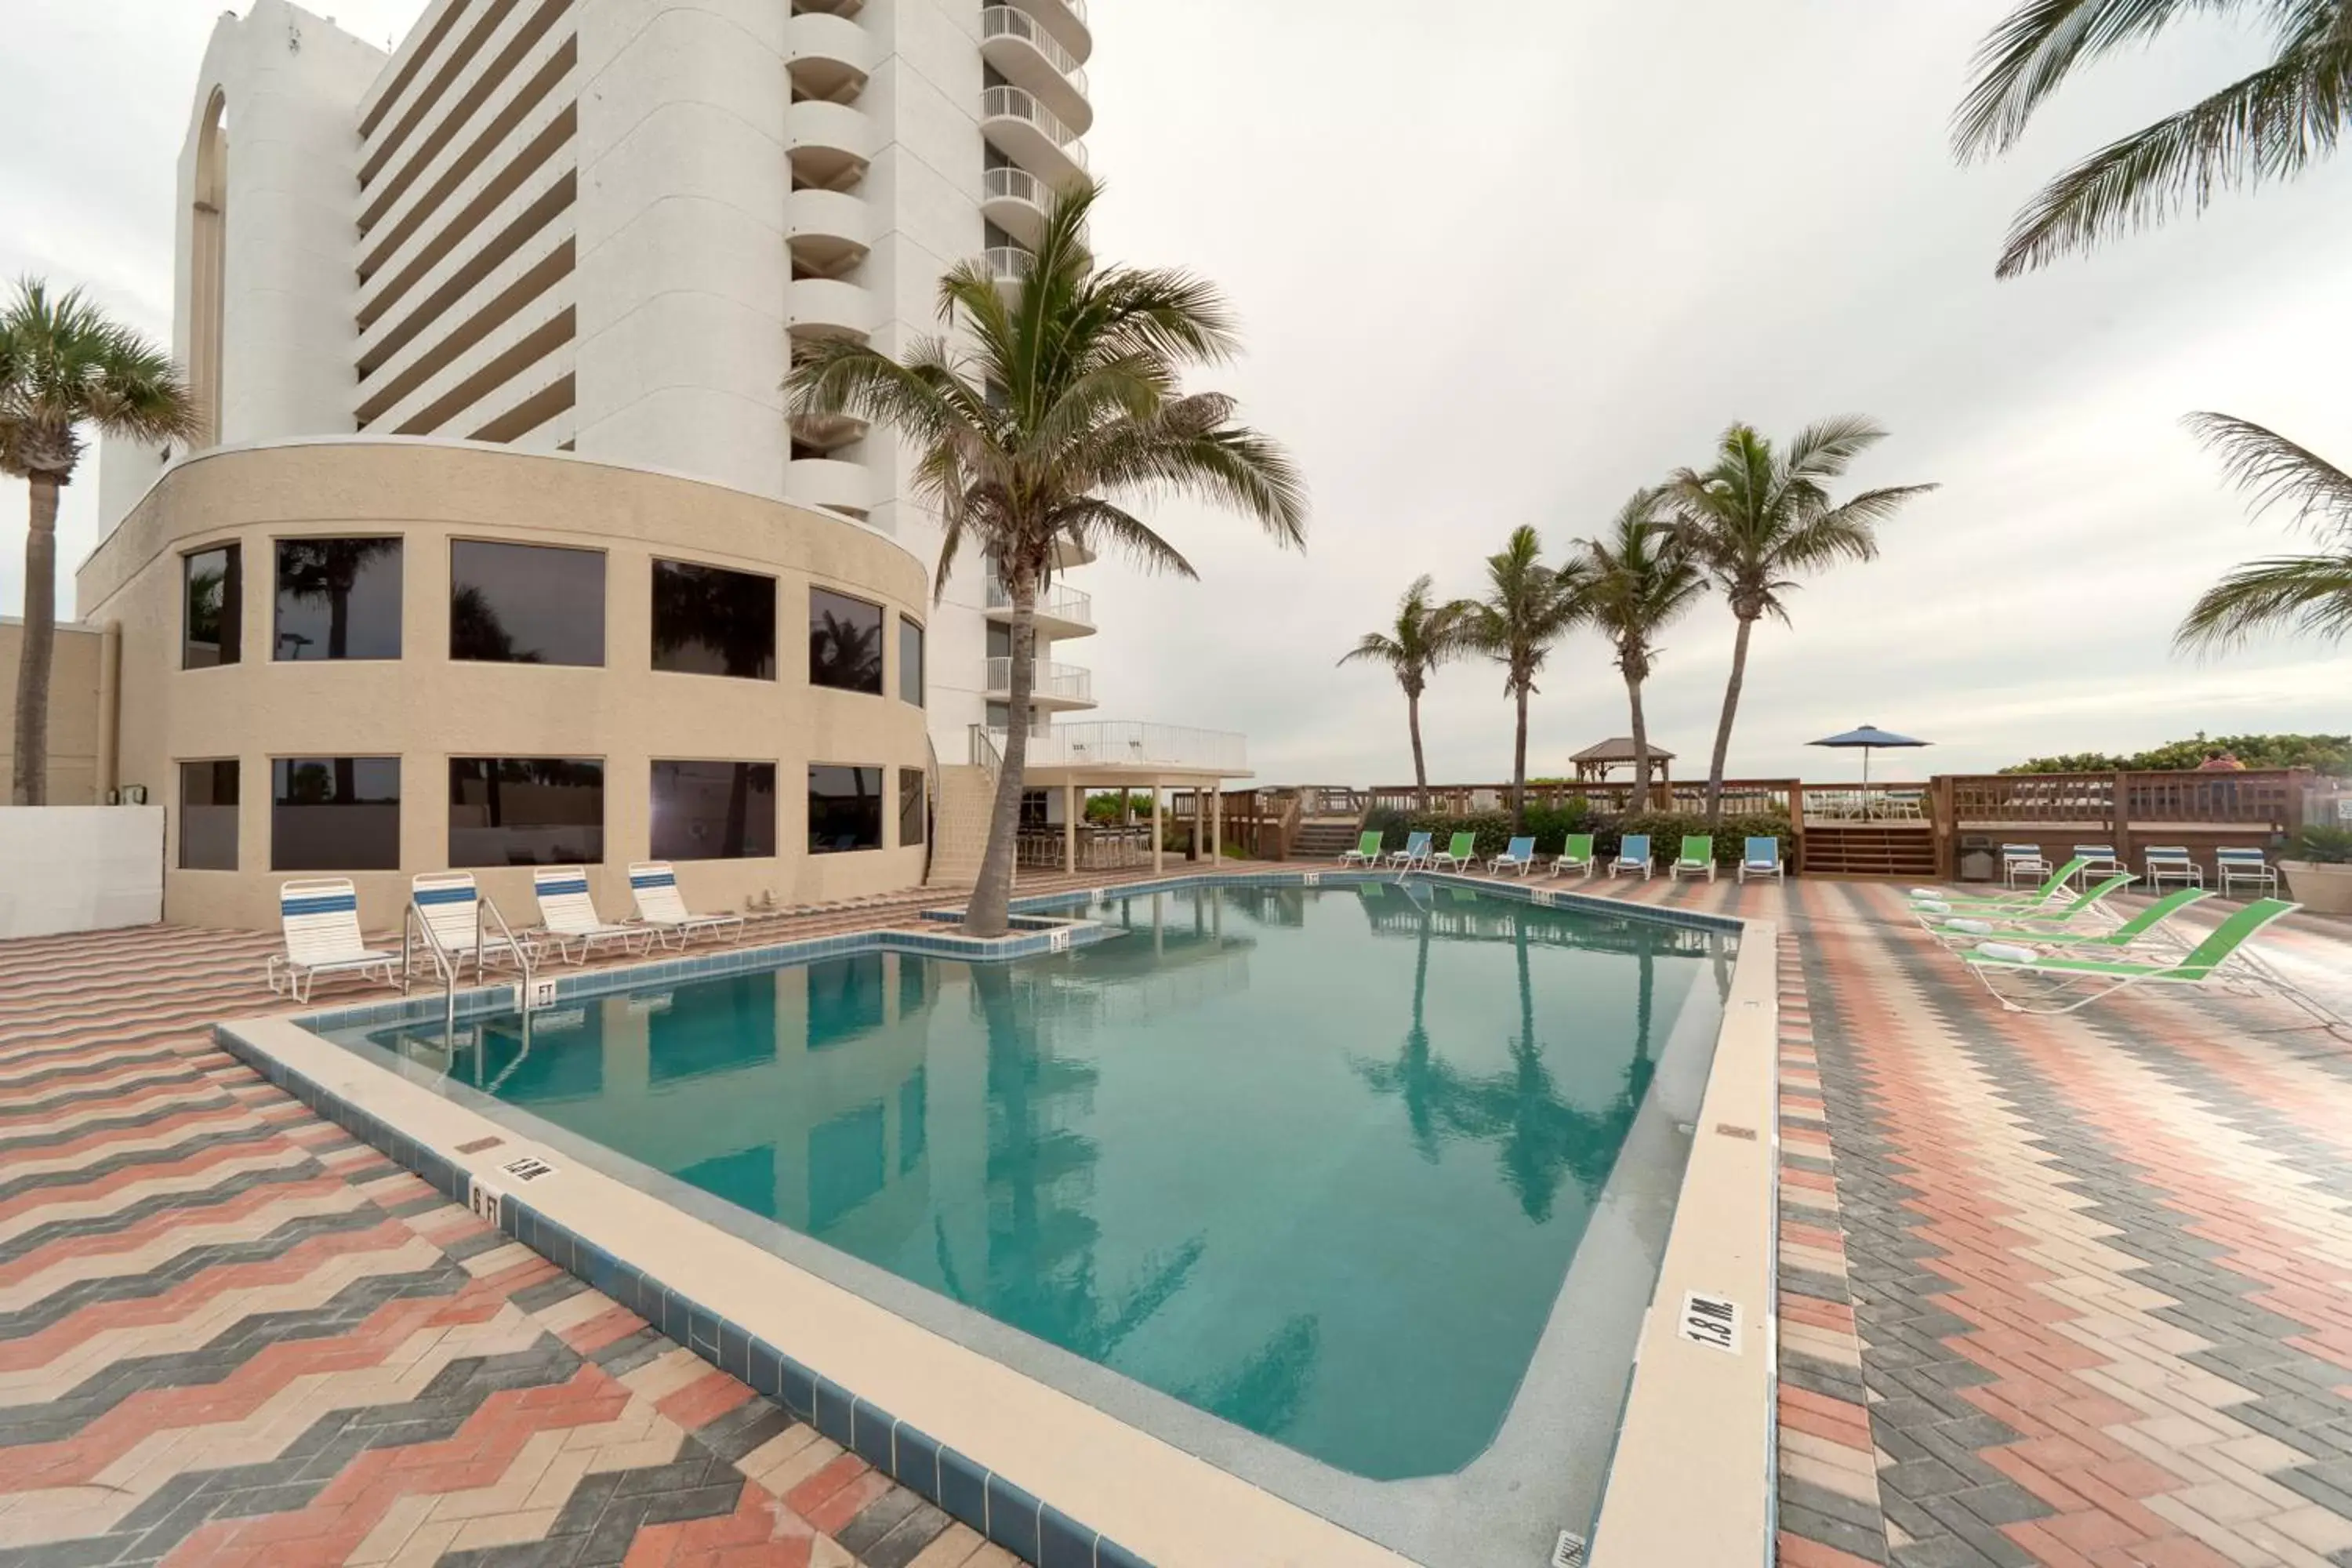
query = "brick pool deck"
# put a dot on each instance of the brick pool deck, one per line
(2067, 1291)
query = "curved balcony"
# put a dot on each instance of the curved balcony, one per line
(1008, 265)
(826, 229)
(829, 483)
(1066, 21)
(828, 143)
(828, 56)
(1015, 200)
(828, 308)
(1032, 135)
(828, 432)
(1028, 56)
(1054, 687)
(1064, 613)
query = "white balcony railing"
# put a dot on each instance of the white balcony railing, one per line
(1008, 263)
(1012, 184)
(1125, 743)
(1005, 22)
(1064, 605)
(1062, 683)
(1019, 103)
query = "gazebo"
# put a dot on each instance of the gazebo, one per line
(1593, 762)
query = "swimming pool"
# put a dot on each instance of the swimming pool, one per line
(1314, 1162)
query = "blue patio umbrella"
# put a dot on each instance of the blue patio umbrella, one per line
(1869, 737)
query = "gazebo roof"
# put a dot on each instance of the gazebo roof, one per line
(1619, 749)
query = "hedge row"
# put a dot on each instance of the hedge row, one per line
(1666, 830)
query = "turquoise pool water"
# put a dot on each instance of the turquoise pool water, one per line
(1314, 1160)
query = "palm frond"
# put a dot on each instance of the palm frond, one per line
(2269, 126)
(1098, 523)
(2277, 471)
(1824, 449)
(2307, 594)
(2033, 49)
(1378, 648)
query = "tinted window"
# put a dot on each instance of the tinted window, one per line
(845, 642)
(212, 599)
(845, 809)
(910, 806)
(714, 810)
(334, 813)
(525, 603)
(910, 662)
(526, 810)
(337, 598)
(708, 621)
(208, 816)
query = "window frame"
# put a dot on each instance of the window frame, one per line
(454, 760)
(603, 603)
(399, 592)
(881, 686)
(653, 619)
(908, 623)
(230, 648)
(921, 804)
(234, 808)
(653, 805)
(880, 798)
(399, 804)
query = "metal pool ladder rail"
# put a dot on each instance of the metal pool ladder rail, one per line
(416, 924)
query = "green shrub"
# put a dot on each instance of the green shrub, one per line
(2325, 846)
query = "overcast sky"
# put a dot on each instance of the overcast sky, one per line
(1505, 261)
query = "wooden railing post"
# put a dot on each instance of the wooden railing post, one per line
(1797, 825)
(2119, 820)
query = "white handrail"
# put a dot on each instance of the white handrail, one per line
(1070, 681)
(1008, 263)
(1011, 184)
(1068, 605)
(1005, 22)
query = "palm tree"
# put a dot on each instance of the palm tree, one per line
(63, 366)
(2297, 592)
(1424, 637)
(1642, 577)
(2268, 126)
(1758, 517)
(1068, 397)
(1529, 607)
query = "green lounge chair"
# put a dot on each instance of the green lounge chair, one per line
(2068, 984)
(1367, 851)
(1944, 903)
(1936, 916)
(2139, 928)
(1575, 854)
(1461, 852)
(1697, 856)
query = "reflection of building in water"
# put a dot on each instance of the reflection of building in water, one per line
(1190, 960)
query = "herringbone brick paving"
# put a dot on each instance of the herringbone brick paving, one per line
(2066, 1291)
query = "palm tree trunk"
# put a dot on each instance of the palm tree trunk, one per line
(1723, 728)
(989, 913)
(1641, 746)
(1420, 768)
(1519, 767)
(30, 785)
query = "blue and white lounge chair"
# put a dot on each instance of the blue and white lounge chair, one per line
(2171, 863)
(2251, 866)
(321, 917)
(1633, 855)
(1762, 858)
(2022, 862)
(1415, 853)
(447, 902)
(2098, 860)
(568, 916)
(654, 884)
(1520, 857)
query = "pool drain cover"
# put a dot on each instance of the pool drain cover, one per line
(1570, 1552)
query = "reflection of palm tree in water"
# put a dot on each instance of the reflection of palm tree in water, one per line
(1543, 1139)
(1040, 1268)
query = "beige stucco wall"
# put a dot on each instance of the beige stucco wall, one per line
(73, 710)
(426, 708)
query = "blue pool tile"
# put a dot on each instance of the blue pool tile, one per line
(766, 1370)
(799, 1394)
(1011, 1517)
(915, 1460)
(964, 1489)
(869, 1435)
(1063, 1542)
(734, 1352)
(702, 1332)
(833, 1411)
(1109, 1553)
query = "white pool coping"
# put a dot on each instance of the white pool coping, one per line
(1699, 1421)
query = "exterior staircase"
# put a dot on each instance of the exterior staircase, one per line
(1325, 838)
(1894, 849)
(960, 832)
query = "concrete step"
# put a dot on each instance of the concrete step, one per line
(959, 832)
